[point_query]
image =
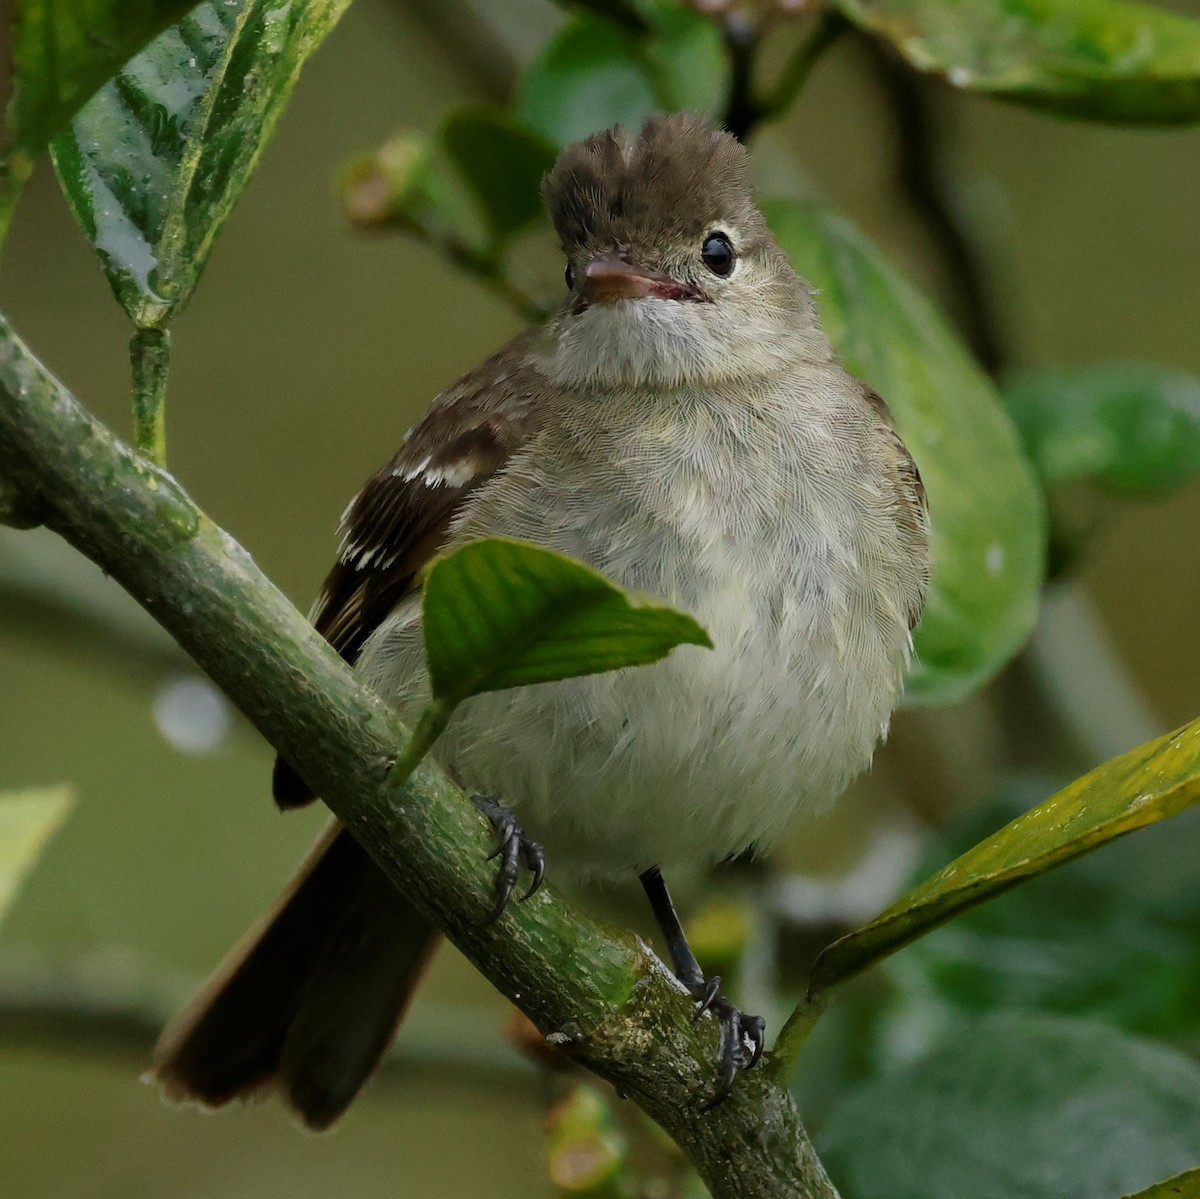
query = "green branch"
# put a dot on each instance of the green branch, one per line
(604, 998)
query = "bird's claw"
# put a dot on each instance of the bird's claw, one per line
(742, 1037)
(707, 996)
(513, 848)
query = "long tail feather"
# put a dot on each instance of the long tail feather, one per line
(310, 998)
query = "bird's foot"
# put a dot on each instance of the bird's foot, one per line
(742, 1036)
(513, 848)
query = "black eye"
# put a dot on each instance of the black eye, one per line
(717, 253)
(570, 277)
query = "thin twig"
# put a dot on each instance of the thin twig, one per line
(920, 178)
(793, 1036)
(150, 358)
(830, 26)
(742, 110)
(490, 270)
(746, 110)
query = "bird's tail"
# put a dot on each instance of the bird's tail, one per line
(310, 998)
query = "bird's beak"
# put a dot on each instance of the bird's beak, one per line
(611, 278)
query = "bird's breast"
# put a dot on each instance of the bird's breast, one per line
(767, 533)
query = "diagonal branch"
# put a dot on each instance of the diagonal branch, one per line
(603, 998)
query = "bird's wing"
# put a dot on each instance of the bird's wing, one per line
(912, 506)
(400, 518)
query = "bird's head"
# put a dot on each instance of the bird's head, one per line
(673, 277)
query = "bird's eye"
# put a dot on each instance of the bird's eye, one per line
(570, 277)
(717, 253)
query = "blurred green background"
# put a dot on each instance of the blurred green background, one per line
(307, 353)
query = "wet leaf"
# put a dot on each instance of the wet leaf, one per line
(500, 164)
(28, 819)
(1040, 1107)
(1100, 59)
(985, 505)
(1132, 427)
(1145, 785)
(156, 160)
(500, 613)
(1182, 1186)
(593, 74)
(61, 53)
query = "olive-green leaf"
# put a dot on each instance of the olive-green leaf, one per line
(1100, 59)
(1131, 427)
(1181, 1186)
(592, 74)
(500, 164)
(986, 509)
(687, 55)
(28, 819)
(1150, 783)
(61, 53)
(155, 162)
(501, 613)
(1019, 1107)
(589, 75)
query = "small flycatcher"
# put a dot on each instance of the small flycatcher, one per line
(680, 424)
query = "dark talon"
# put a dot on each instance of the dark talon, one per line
(729, 1059)
(513, 848)
(707, 997)
(736, 1029)
(535, 859)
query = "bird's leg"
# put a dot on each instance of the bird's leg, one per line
(737, 1029)
(513, 848)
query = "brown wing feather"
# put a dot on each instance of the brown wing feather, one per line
(399, 520)
(910, 490)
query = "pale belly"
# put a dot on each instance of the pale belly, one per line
(709, 751)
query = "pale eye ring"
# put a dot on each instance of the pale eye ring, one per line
(717, 253)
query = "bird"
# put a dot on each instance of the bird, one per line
(680, 423)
